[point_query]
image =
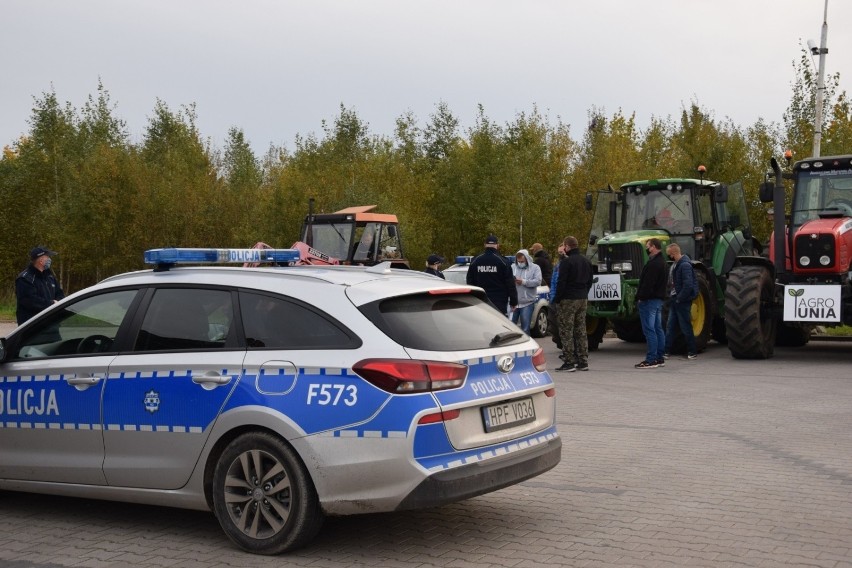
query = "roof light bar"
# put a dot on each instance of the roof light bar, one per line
(218, 256)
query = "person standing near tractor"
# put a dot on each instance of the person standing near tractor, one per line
(683, 291)
(650, 295)
(572, 292)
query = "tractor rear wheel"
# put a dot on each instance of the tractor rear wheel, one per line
(749, 302)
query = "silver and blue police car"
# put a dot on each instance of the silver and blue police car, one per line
(273, 395)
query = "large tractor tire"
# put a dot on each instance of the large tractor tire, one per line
(749, 299)
(595, 330)
(628, 330)
(701, 317)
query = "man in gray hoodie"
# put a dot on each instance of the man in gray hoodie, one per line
(527, 276)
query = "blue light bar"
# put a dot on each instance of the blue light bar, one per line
(218, 256)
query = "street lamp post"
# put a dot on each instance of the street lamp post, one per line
(822, 50)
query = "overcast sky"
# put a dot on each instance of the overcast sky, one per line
(279, 68)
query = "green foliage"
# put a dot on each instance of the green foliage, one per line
(77, 184)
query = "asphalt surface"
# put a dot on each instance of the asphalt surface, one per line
(712, 462)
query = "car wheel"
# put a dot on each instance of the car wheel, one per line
(538, 327)
(263, 497)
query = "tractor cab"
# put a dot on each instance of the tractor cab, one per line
(355, 235)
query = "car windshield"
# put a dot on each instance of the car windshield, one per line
(441, 322)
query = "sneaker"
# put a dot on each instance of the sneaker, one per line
(661, 362)
(666, 355)
(567, 367)
(583, 367)
(692, 356)
(646, 365)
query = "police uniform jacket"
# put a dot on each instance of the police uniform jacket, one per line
(575, 277)
(35, 291)
(491, 272)
(653, 279)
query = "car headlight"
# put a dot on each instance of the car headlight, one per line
(825, 260)
(804, 261)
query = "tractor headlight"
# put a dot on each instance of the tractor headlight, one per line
(602, 267)
(825, 260)
(804, 261)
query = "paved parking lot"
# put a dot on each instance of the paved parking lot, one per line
(713, 462)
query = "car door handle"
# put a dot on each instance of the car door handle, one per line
(211, 380)
(83, 382)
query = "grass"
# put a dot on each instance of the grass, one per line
(839, 331)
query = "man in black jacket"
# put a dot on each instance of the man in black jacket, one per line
(490, 271)
(650, 295)
(542, 259)
(572, 293)
(36, 288)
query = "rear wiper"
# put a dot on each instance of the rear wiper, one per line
(504, 337)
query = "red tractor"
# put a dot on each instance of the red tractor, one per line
(806, 279)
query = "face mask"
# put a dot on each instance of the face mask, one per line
(522, 265)
(47, 263)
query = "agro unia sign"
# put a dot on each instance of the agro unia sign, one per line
(805, 302)
(605, 287)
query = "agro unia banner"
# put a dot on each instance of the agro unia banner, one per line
(808, 302)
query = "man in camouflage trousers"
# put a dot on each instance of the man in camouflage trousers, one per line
(572, 292)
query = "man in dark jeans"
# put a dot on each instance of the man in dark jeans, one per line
(650, 295)
(684, 290)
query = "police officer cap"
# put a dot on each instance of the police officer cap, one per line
(491, 240)
(435, 259)
(41, 251)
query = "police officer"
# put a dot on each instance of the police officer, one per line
(433, 265)
(36, 288)
(491, 272)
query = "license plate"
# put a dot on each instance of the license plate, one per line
(508, 414)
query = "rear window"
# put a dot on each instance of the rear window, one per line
(443, 322)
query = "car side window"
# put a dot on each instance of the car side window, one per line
(186, 318)
(83, 327)
(276, 322)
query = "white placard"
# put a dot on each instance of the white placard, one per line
(809, 302)
(605, 287)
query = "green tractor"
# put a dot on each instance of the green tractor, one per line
(707, 219)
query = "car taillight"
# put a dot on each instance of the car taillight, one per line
(538, 360)
(444, 416)
(407, 376)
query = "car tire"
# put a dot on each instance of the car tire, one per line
(539, 324)
(263, 497)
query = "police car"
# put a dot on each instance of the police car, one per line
(273, 395)
(538, 324)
